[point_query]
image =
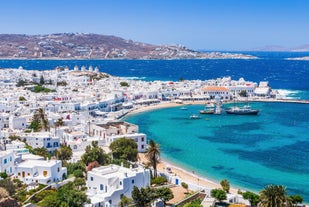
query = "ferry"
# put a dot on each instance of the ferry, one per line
(245, 110)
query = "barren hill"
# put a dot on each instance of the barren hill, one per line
(94, 46)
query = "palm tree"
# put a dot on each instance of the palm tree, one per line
(274, 196)
(153, 154)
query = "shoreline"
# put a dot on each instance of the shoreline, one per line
(184, 174)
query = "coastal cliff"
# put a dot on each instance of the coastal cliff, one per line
(95, 46)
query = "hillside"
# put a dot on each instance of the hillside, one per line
(94, 46)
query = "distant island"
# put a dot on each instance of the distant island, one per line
(95, 46)
(299, 58)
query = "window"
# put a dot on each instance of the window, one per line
(19, 174)
(91, 178)
(44, 173)
(5, 161)
(142, 139)
(10, 159)
(101, 187)
(58, 169)
(142, 146)
(28, 174)
(120, 183)
(132, 181)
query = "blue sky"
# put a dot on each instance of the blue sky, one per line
(197, 24)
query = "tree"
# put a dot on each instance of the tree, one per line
(225, 184)
(252, 197)
(142, 197)
(185, 186)
(274, 196)
(64, 153)
(124, 148)
(95, 153)
(243, 93)
(21, 98)
(42, 81)
(41, 151)
(153, 155)
(125, 201)
(124, 84)
(3, 175)
(39, 121)
(165, 194)
(194, 203)
(67, 196)
(8, 185)
(218, 194)
(296, 199)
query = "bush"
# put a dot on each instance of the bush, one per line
(78, 173)
(159, 180)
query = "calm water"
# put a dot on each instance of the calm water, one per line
(250, 151)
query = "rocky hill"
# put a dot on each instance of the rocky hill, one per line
(94, 46)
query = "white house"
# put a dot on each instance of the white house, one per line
(17, 122)
(42, 139)
(107, 184)
(40, 171)
(139, 138)
(7, 161)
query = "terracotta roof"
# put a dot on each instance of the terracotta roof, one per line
(215, 88)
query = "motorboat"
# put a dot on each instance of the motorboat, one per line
(194, 116)
(245, 110)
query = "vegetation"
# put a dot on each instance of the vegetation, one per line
(218, 194)
(8, 185)
(124, 149)
(160, 180)
(3, 175)
(124, 84)
(144, 196)
(71, 167)
(274, 196)
(165, 194)
(125, 201)
(42, 80)
(62, 83)
(39, 121)
(95, 153)
(243, 93)
(21, 83)
(21, 98)
(296, 199)
(185, 186)
(69, 195)
(64, 153)
(41, 151)
(252, 197)
(225, 184)
(40, 89)
(153, 154)
(194, 203)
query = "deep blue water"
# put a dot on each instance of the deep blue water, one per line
(281, 74)
(250, 151)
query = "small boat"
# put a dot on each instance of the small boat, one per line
(183, 108)
(207, 111)
(194, 116)
(245, 110)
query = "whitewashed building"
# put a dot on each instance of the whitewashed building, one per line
(42, 139)
(107, 184)
(40, 171)
(7, 162)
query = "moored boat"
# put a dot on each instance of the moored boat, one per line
(245, 110)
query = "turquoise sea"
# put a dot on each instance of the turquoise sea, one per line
(250, 151)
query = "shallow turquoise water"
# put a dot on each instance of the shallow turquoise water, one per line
(250, 151)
